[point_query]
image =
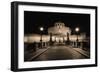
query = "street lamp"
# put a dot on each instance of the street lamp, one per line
(68, 39)
(41, 29)
(77, 30)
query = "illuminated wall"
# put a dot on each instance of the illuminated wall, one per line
(46, 38)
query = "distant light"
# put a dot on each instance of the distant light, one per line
(77, 29)
(41, 29)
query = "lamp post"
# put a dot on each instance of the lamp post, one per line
(77, 30)
(41, 29)
(67, 39)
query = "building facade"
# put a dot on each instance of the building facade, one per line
(59, 33)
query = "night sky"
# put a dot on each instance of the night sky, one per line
(34, 20)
